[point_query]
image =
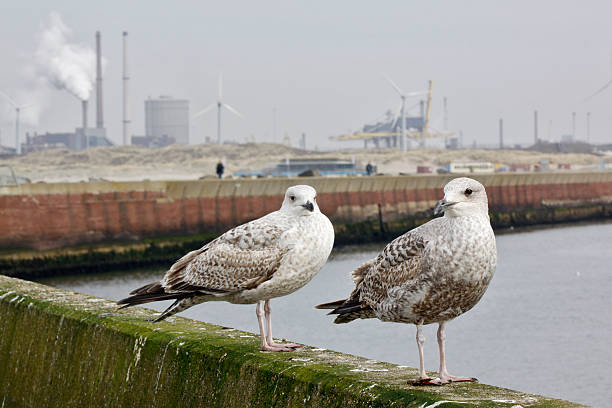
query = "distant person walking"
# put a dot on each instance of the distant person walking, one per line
(369, 168)
(220, 169)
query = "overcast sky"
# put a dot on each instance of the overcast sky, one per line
(321, 63)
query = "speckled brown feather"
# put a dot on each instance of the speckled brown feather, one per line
(270, 257)
(430, 274)
(242, 258)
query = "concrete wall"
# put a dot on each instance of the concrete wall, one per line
(62, 349)
(45, 216)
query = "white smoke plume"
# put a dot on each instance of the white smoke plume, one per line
(66, 66)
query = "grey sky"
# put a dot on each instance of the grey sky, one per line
(320, 63)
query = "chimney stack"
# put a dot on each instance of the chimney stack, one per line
(535, 127)
(99, 108)
(445, 114)
(501, 133)
(126, 119)
(588, 127)
(84, 105)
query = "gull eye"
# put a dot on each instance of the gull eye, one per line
(292, 198)
(468, 191)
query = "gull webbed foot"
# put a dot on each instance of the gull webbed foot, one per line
(452, 378)
(277, 348)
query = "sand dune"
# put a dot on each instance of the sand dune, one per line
(193, 162)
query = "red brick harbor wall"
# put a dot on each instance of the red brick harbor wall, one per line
(54, 215)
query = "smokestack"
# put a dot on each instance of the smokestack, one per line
(445, 114)
(574, 125)
(588, 129)
(84, 105)
(535, 127)
(126, 119)
(99, 115)
(501, 133)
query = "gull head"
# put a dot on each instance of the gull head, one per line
(300, 200)
(463, 197)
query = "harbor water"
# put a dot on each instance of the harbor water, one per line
(544, 326)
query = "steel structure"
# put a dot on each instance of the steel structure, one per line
(393, 133)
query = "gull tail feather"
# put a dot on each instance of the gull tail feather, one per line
(348, 310)
(152, 292)
(352, 308)
(331, 305)
(348, 313)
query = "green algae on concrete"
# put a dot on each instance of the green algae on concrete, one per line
(63, 349)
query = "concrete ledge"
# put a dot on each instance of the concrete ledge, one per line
(64, 349)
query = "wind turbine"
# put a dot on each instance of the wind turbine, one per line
(603, 88)
(220, 104)
(18, 108)
(403, 96)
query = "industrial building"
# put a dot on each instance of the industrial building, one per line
(167, 117)
(391, 128)
(325, 166)
(73, 141)
(395, 129)
(84, 136)
(6, 152)
(318, 166)
(386, 133)
(153, 141)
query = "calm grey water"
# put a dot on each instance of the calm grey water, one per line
(544, 326)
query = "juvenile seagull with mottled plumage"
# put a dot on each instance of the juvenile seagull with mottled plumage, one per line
(269, 257)
(431, 274)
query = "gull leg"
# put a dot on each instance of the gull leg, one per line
(259, 313)
(269, 339)
(262, 331)
(423, 379)
(445, 377)
(420, 338)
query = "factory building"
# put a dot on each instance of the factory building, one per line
(387, 130)
(153, 141)
(167, 117)
(83, 137)
(73, 141)
(393, 124)
(6, 152)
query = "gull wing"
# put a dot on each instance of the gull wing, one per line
(240, 259)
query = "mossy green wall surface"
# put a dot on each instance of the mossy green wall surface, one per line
(63, 349)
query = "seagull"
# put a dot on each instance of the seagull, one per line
(431, 274)
(266, 258)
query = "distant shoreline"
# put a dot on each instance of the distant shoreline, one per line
(180, 162)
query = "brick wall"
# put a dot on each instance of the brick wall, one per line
(53, 215)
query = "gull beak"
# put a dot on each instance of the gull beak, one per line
(441, 206)
(309, 206)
